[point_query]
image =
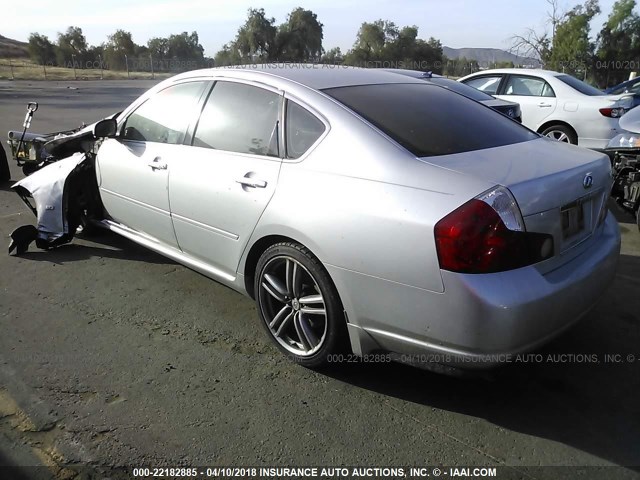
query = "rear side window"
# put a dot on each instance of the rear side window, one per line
(240, 118)
(429, 120)
(165, 117)
(302, 130)
(488, 85)
(580, 86)
(528, 87)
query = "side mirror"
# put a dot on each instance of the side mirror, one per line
(106, 128)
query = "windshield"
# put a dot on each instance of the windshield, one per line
(429, 120)
(580, 86)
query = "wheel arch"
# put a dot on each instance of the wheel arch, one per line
(360, 342)
(252, 257)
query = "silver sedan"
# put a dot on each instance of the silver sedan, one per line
(364, 211)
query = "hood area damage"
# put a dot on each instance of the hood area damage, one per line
(62, 194)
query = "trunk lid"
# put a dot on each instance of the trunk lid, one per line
(560, 188)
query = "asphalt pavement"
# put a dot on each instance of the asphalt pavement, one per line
(113, 355)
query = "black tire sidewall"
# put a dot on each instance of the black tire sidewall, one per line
(5, 173)
(336, 337)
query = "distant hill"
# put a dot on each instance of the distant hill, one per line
(13, 48)
(486, 57)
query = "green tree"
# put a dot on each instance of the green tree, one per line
(72, 47)
(618, 44)
(256, 39)
(370, 42)
(185, 46)
(299, 39)
(120, 48)
(41, 50)
(572, 51)
(383, 44)
(158, 47)
(333, 57)
(228, 55)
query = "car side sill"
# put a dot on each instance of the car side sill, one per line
(171, 253)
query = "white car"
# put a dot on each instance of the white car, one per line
(556, 104)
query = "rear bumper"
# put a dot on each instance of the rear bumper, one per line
(597, 134)
(480, 320)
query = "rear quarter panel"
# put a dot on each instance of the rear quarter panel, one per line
(360, 202)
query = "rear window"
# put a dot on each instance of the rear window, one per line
(461, 88)
(580, 86)
(428, 120)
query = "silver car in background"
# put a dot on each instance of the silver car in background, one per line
(364, 211)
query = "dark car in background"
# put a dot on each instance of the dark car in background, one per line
(630, 86)
(510, 109)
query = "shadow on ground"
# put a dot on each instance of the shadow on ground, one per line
(105, 245)
(594, 407)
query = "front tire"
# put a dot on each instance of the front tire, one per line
(299, 305)
(561, 133)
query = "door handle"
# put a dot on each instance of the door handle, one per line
(252, 182)
(545, 105)
(157, 164)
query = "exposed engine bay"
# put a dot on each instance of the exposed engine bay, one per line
(61, 189)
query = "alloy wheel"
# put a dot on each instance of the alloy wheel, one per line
(293, 306)
(558, 135)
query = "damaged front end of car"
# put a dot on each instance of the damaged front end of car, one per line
(63, 194)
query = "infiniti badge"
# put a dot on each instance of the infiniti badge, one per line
(588, 181)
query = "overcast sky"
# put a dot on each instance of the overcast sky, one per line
(456, 23)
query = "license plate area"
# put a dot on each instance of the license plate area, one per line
(572, 216)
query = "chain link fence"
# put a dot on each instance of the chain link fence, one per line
(142, 67)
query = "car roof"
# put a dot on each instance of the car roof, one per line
(315, 76)
(413, 73)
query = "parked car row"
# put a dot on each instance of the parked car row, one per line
(557, 105)
(510, 109)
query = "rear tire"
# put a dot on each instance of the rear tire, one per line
(5, 173)
(299, 305)
(561, 133)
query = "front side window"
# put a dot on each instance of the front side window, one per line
(240, 118)
(165, 117)
(488, 84)
(527, 87)
(302, 130)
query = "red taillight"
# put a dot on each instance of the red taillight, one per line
(474, 239)
(612, 112)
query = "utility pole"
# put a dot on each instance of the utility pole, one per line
(153, 75)
(126, 62)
